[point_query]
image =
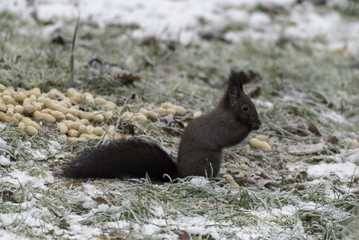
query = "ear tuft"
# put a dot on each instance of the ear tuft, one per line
(235, 79)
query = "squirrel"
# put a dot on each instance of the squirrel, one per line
(200, 150)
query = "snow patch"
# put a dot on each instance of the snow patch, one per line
(10, 236)
(182, 20)
(354, 156)
(4, 161)
(2, 142)
(199, 181)
(345, 171)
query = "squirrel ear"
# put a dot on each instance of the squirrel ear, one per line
(235, 87)
(233, 94)
(235, 80)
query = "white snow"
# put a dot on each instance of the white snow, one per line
(334, 116)
(2, 143)
(199, 181)
(4, 161)
(182, 20)
(354, 156)
(10, 236)
(345, 171)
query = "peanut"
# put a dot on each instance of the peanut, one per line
(160, 110)
(100, 100)
(140, 117)
(19, 109)
(90, 129)
(127, 115)
(2, 88)
(98, 118)
(19, 97)
(86, 115)
(231, 181)
(46, 110)
(22, 125)
(63, 129)
(31, 130)
(44, 116)
(152, 115)
(9, 100)
(107, 115)
(55, 94)
(353, 143)
(28, 121)
(4, 117)
(37, 105)
(35, 92)
(260, 144)
(84, 121)
(54, 105)
(98, 131)
(87, 136)
(89, 98)
(263, 138)
(180, 110)
(168, 105)
(170, 111)
(69, 116)
(75, 125)
(10, 111)
(18, 116)
(197, 114)
(71, 92)
(109, 106)
(77, 98)
(3, 107)
(58, 115)
(74, 111)
(144, 111)
(73, 133)
(75, 139)
(83, 129)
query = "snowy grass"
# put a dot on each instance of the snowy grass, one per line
(283, 194)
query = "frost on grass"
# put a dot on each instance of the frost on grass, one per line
(307, 57)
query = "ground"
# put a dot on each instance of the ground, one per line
(304, 58)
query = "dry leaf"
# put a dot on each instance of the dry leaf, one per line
(99, 200)
(183, 235)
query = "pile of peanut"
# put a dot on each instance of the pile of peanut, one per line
(21, 107)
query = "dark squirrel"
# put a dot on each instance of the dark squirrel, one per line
(200, 150)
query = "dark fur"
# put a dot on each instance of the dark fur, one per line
(200, 151)
(123, 159)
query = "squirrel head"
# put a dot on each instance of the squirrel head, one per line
(239, 103)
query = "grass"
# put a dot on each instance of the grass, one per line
(277, 199)
(72, 57)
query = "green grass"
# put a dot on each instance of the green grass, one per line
(303, 83)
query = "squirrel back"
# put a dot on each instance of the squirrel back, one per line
(200, 151)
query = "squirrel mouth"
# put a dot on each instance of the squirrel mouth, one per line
(255, 125)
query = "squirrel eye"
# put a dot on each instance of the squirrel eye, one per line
(245, 108)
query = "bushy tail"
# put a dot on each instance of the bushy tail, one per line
(122, 159)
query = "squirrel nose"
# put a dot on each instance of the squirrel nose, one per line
(255, 125)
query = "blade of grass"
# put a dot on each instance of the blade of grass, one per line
(72, 57)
